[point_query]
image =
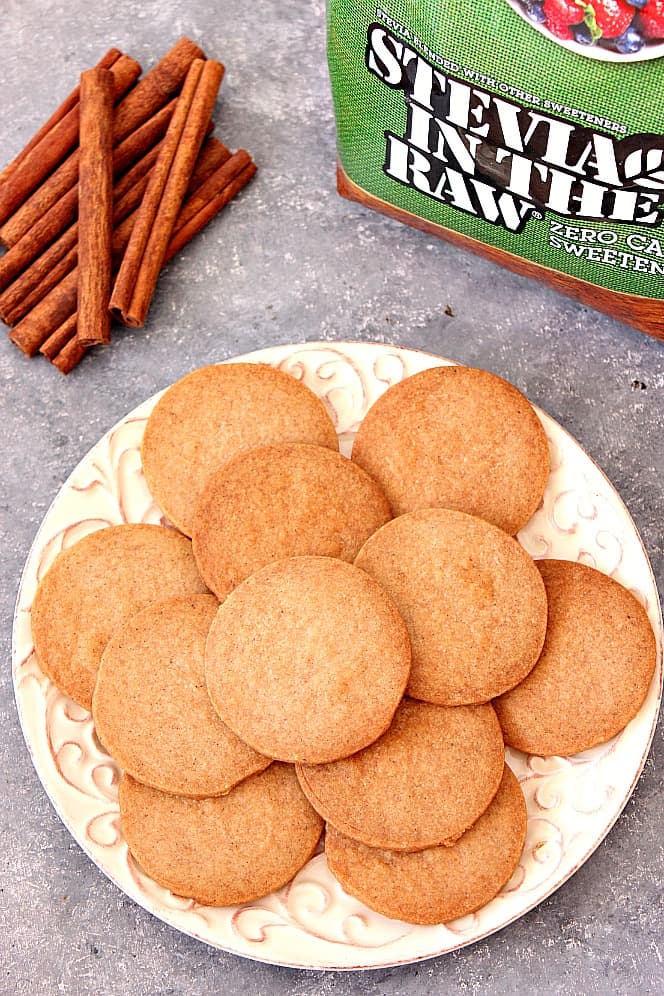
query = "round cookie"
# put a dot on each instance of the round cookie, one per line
(471, 597)
(598, 660)
(456, 437)
(151, 708)
(424, 782)
(208, 416)
(307, 660)
(274, 502)
(225, 850)
(438, 884)
(93, 585)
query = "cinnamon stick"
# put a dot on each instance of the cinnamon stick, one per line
(212, 195)
(46, 316)
(53, 147)
(24, 294)
(105, 62)
(147, 98)
(60, 112)
(190, 223)
(69, 356)
(134, 175)
(128, 192)
(64, 179)
(40, 237)
(137, 278)
(144, 137)
(208, 211)
(95, 207)
(51, 316)
(144, 102)
(156, 88)
(57, 259)
(59, 303)
(59, 339)
(37, 238)
(213, 154)
(59, 306)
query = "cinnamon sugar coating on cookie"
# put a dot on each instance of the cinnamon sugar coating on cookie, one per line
(598, 660)
(287, 500)
(214, 413)
(438, 884)
(93, 585)
(456, 437)
(424, 782)
(226, 850)
(307, 660)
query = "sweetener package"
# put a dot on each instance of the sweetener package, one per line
(529, 132)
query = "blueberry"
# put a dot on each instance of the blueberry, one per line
(582, 34)
(535, 11)
(629, 41)
(639, 4)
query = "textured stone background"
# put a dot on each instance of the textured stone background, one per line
(290, 261)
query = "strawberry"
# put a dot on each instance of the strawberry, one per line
(560, 14)
(651, 19)
(612, 16)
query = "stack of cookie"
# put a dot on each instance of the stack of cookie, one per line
(348, 642)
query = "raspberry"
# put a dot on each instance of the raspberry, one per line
(651, 19)
(560, 14)
(613, 16)
(559, 30)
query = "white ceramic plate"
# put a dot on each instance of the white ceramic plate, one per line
(572, 802)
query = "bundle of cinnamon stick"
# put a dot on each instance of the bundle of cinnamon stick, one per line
(114, 184)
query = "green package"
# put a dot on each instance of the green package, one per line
(474, 119)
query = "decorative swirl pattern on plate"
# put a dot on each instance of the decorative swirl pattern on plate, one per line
(572, 802)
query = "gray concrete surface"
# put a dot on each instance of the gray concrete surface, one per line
(290, 261)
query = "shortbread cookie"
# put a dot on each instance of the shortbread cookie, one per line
(438, 884)
(214, 413)
(274, 502)
(424, 782)
(456, 437)
(93, 585)
(226, 850)
(471, 597)
(151, 708)
(307, 660)
(597, 663)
